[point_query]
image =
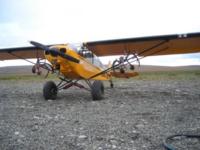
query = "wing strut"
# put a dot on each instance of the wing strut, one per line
(10, 53)
(153, 47)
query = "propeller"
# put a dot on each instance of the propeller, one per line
(54, 52)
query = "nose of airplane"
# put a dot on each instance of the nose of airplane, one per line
(54, 52)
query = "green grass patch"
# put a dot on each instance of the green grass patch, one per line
(163, 75)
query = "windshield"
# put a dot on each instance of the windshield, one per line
(73, 47)
(91, 57)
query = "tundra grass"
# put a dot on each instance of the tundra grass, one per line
(166, 75)
(161, 75)
(26, 77)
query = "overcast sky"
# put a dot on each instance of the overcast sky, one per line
(74, 21)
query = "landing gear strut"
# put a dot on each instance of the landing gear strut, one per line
(50, 89)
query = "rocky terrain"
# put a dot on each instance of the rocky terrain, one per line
(138, 114)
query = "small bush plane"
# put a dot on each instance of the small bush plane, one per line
(73, 64)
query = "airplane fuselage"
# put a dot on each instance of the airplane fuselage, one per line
(82, 70)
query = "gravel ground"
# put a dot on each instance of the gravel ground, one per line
(135, 115)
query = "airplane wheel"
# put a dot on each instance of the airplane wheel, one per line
(97, 90)
(50, 90)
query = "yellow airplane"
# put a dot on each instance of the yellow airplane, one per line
(73, 64)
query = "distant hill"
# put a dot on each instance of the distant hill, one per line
(16, 70)
(144, 68)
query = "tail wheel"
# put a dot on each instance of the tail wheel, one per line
(111, 84)
(50, 90)
(132, 67)
(97, 90)
(122, 70)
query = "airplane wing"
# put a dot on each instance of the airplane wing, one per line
(142, 46)
(21, 53)
(148, 46)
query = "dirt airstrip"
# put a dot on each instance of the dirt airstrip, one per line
(136, 115)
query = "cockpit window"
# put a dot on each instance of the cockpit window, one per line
(87, 54)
